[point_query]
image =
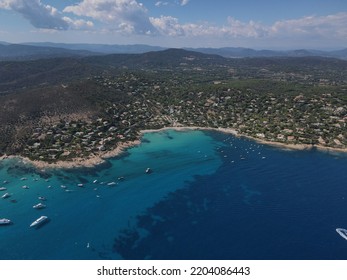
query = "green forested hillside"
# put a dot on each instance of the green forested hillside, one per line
(62, 108)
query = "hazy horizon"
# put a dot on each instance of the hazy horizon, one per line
(269, 24)
(183, 47)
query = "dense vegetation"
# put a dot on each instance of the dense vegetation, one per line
(58, 109)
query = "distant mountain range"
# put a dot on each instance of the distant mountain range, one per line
(246, 52)
(32, 51)
(102, 48)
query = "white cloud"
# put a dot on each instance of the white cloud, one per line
(127, 15)
(184, 2)
(4, 4)
(161, 3)
(43, 16)
(236, 28)
(323, 26)
(124, 17)
(79, 24)
(175, 3)
(304, 30)
(168, 26)
(39, 14)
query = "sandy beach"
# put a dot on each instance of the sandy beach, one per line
(96, 159)
(186, 128)
(283, 146)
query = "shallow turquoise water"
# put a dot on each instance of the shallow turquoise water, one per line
(210, 196)
(97, 213)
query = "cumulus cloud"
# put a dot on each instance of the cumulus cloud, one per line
(236, 28)
(4, 4)
(317, 27)
(325, 26)
(168, 25)
(79, 24)
(127, 15)
(43, 16)
(38, 14)
(132, 17)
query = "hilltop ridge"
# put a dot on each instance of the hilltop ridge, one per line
(32, 50)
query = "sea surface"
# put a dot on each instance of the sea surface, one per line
(209, 196)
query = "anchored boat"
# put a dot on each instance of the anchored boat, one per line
(5, 221)
(342, 232)
(39, 206)
(39, 221)
(6, 195)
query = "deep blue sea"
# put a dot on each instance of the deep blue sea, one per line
(210, 196)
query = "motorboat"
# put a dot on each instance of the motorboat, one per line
(39, 206)
(3, 189)
(148, 171)
(6, 195)
(39, 221)
(342, 232)
(4, 221)
(42, 198)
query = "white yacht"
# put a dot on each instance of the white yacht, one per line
(4, 221)
(342, 232)
(39, 221)
(148, 171)
(3, 189)
(6, 195)
(39, 206)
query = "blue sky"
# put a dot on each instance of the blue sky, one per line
(271, 24)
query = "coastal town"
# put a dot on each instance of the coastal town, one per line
(102, 105)
(287, 115)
